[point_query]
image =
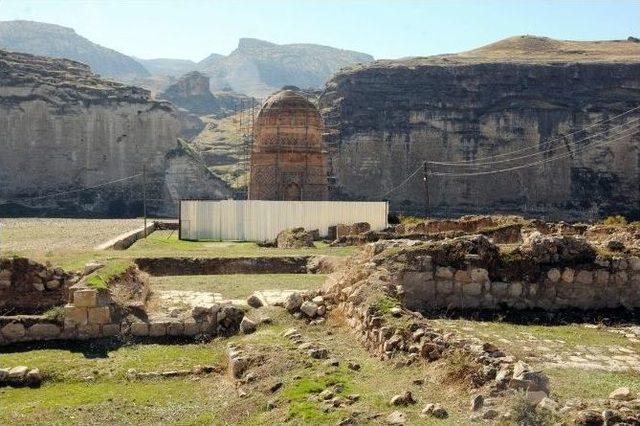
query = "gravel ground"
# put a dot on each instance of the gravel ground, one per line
(30, 234)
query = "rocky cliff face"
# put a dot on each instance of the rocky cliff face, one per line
(192, 93)
(388, 117)
(63, 128)
(39, 38)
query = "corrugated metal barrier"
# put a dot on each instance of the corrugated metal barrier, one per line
(256, 220)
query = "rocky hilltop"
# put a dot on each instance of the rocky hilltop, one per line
(63, 128)
(259, 68)
(39, 38)
(192, 93)
(521, 93)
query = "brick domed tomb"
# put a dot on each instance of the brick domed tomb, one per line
(288, 161)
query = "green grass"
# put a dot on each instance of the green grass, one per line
(100, 278)
(590, 384)
(302, 392)
(570, 335)
(167, 244)
(66, 398)
(239, 285)
(72, 364)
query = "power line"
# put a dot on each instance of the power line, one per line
(403, 182)
(73, 191)
(548, 160)
(460, 164)
(597, 123)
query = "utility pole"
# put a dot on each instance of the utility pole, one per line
(144, 197)
(425, 178)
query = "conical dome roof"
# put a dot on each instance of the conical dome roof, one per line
(287, 100)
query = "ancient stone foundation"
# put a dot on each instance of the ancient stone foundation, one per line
(28, 287)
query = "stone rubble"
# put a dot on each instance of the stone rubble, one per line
(20, 376)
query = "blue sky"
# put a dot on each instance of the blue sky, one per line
(192, 29)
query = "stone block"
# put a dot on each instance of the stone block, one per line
(462, 276)
(140, 329)
(5, 275)
(110, 330)
(444, 272)
(44, 331)
(444, 287)
(157, 329)
(499, 288)
(472, 289)
(18, 373)
(554, 275)
(190, 327)
(88, 331)
(621, 278)
(479, 275)
(584, 277)
(13, 331)
(52, 284)
(74, 315)
(99, 315)
(567, 275)
(634, 263)
(85, 298)
(602, 277)
(175, 329)
(515, 289)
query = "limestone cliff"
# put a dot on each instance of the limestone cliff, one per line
(386, 118)
(63, 128)
(192, 93)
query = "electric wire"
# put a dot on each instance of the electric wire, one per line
(543, 152)
(402, 183)
(597, 123)
(73, 191)
(547, 160)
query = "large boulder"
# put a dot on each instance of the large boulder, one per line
(294, 238)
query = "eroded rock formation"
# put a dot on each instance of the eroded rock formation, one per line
(387, 117)
(63, 128)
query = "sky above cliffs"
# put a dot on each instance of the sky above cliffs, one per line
(193, 29)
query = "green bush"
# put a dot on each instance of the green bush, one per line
(615, 220)
(55, 314)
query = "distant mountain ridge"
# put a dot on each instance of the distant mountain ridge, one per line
(258, 67)
(38, 38)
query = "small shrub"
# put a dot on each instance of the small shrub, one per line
(385, 304)
(55, 314)
(526, 414)
(615, 221)
(411, 220)
(460, 367)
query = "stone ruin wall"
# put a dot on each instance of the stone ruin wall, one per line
(606, 284)
(91, 313)
(28, 287)
(387, 118)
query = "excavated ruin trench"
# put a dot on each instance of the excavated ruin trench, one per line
(164, 266)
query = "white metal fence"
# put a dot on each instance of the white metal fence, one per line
(256, 220)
